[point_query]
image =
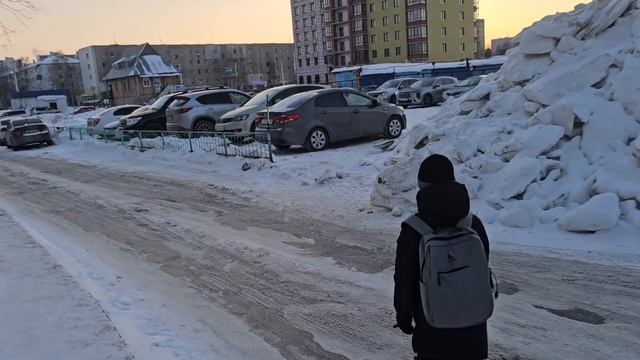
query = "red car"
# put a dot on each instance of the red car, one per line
(83, 109)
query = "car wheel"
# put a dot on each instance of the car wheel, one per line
(318, 139)
(393, 99)
(427, 101)
(204, 126)
(393, 128)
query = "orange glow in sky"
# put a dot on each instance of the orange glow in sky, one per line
(68, 25)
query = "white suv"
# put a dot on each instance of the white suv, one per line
(200, 111)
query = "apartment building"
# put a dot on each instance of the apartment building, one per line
(387, 31)
(243, 66)
(311, 41)
(478, 35)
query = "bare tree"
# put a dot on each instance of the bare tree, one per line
(19, 10)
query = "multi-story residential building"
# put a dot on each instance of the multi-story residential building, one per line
(311, 41)
(360, 32)
(501, 45)
(243, 66)
(387, 31)
(478, 34)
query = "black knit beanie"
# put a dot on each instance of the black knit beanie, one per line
(436, 169)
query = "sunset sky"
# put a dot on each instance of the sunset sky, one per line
(68, 25)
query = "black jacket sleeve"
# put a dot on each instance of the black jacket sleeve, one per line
(480, 230)
(406, 271)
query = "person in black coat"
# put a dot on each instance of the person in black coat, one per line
(442, 203)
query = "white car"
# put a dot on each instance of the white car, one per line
(96, 124)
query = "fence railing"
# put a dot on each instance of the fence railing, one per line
(255, 145)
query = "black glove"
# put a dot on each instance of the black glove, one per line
(405, 323)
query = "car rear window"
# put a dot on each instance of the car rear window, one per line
(214, 98)
(124, 111)
(179, 101)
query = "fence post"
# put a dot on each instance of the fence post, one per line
(269, 145)
(224, 143)
(162, 137)
(104, 134)
(80, 131)
(140, 140)
(190, 144)
(70, 133)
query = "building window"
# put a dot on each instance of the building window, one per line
(397, 35)
(374, 54)
(461, 15)
(398, 51)
(385, 21)
(462, 32)
(396, 3)
(374, 38)
(443, 31)
(308, 62)
(396, 19)
(373, 23)
(146, 82)
(386, 53)
(416, 32)
(385, 4)
(418, 48)
(315, 60)
(385, 37)
(417, 15)
(443, 15)
(463, 47)
(444, 47)
(343, 60)
(372, 8)
(357, 9)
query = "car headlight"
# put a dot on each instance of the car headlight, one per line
(241, 117)
(132, 121)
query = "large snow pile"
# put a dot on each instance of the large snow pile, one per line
(543, 138)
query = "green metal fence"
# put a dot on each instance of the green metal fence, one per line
(249, 145)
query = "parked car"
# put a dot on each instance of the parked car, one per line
(388, 92)
(12, 112)
(4, 124)
(243, 119)
(27, 131)
(95, 124)
(464, 86)
(82, 109)
(318, 118)
(153, 118)
(426, 92)
(201, 110)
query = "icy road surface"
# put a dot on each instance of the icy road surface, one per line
(189, 270)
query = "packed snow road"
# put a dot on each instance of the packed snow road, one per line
(188, 270)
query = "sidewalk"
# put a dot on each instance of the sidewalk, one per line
(45, 313)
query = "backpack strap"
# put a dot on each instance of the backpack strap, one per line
(466, 222)
(419, 225)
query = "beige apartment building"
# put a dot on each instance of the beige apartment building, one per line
(423, 30)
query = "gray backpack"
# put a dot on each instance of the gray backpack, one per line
(456, 284)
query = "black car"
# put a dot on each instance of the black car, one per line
(153, 118)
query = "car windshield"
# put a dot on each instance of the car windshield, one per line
(158, 104)
(140, 109)
(293, 101)
(472, 81)
(423, 83)
(261, 98)
(391, 84)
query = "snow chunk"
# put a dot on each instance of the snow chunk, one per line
(534, 44)
(603, 14)
(515, 177)
(562, 81)
(531, 107)
(536, 140)
(567, 43)
(519, 217)
(602, 212)
(635, 147)
(521, 68)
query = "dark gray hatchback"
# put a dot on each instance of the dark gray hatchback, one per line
(316, 119)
